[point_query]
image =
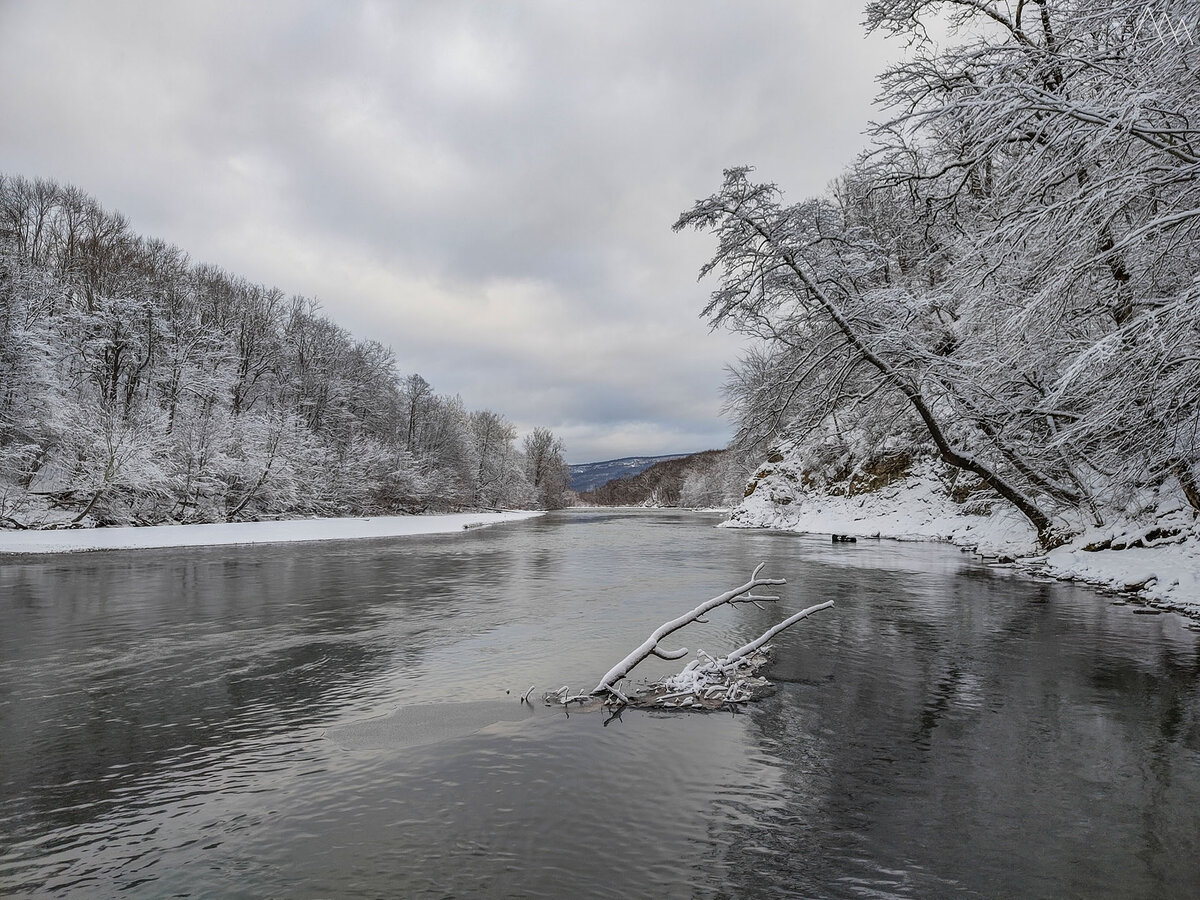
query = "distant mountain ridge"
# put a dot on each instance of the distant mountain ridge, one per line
(589, 476)
(663, 483)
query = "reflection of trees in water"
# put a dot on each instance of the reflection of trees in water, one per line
(145, 724)
(147, 667)
(1015, 740)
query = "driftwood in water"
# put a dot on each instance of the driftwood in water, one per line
(650, 646)
(712, 683)
(706, 682)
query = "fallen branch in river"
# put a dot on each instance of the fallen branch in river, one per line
(730, 679)
(650, 645)
(706, 682)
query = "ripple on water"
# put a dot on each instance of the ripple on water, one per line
(414, 726)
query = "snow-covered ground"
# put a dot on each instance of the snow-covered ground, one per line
(1162, 569)
(68, 540)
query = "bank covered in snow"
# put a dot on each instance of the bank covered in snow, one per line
(158, 536)
(1156, 557)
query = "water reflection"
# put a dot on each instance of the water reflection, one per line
(992, 736)
(193, 722)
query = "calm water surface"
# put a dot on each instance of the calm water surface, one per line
(342, 720)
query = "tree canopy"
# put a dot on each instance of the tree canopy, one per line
(139, 387)
(1009, 277)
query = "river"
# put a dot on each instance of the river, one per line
(342, 720)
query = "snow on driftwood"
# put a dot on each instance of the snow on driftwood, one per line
(706, 682)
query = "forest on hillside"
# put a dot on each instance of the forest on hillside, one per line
(1008, 279)
(139, 387)
(711, 478)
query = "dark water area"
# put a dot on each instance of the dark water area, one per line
(342, 720)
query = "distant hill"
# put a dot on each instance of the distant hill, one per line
(659, 484)
(589, 476)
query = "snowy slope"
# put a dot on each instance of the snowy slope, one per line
(1155, 557)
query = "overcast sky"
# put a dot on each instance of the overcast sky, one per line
(487, 187)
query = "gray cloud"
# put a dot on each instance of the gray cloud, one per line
(487, 187)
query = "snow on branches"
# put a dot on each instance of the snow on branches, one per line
(1006, 279)
(706, 682)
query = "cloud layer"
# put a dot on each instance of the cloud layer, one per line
(486, 187)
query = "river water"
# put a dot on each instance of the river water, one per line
(342, 720)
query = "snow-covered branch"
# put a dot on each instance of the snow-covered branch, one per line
(761, 641)
(649, 647)
(709, 683)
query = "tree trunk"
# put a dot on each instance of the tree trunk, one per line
(1182, 470)
(87, 509)
(1047, 534)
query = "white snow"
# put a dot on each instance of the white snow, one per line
(1165, 574)
(159, 536)
(1169, 576)
(914, 508)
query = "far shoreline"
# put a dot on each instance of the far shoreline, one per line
(161, 537)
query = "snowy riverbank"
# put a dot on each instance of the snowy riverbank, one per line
(159, 536)
(1157, 557)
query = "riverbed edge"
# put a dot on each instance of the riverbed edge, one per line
(1164, 575)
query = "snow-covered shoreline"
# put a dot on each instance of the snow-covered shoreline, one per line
(286, 531)
(1164, 573)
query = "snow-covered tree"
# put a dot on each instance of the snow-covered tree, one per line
(138, 386)
(805, 276)
(546, 469)
(1009, 276)
(499, 476)
(1054, 150)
